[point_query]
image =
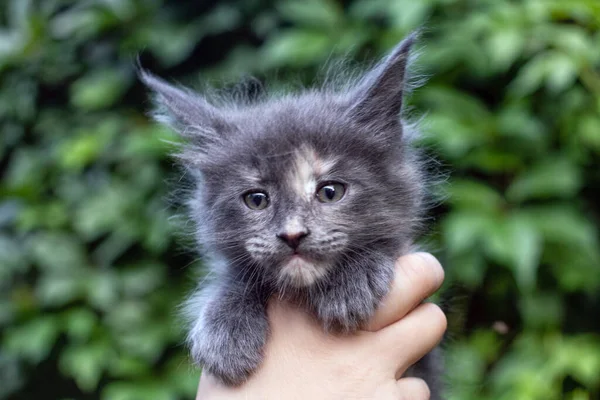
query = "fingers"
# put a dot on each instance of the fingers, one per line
(408, 340)
(413, 389)
(417, 276)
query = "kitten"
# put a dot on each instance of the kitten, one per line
(309, 196)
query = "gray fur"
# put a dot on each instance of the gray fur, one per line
(283, 145)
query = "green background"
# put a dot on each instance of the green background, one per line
(91, 265)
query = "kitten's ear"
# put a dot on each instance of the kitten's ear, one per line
(183, 110)
(378, 96)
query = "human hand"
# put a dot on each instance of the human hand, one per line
(304, 362)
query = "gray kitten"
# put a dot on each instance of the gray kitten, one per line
(309, 196)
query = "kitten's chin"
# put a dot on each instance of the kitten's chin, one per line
(301, 272)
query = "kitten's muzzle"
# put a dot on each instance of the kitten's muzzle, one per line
(293, 239)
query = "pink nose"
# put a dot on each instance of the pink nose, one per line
(293, 239)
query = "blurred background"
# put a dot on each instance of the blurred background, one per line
(92, 270)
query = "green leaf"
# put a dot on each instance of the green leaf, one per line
(114, 246)
(7, 311)
(562, 224)
(57, 252)
(102, 289)
(80, 324)
(130, 313)
(151, 141)
(589, 131)
(462, 105)
(579, 357)
(575, 267)
(542, 310)
(147, 390)
(184, 380)
(147, 344)
(408, 15)
(467, 268)
(19, 13)
(125, 366)
(80, 151)
(554, 69)
(531, 77)
(142, 279)
(81, 22)
(34, 339)
(459, 121)
(108, 209)
(473, 195)
(85, 363)
(523, 372)
(23, 173)
(562, 74)
(50, 214)
(453, 137)
(467, 365)
(297, 48)
(504, 46)
(490, 160)
(55, 290)
(515, 242)
(12, 257)
(99, 89)
(463, 230)
(487, 343)
(12, 376)
(517, 122)
(322, 14)
(553, 177)
(223, 18)
(171, 43)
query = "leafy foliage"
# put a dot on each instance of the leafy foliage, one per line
(90, 275)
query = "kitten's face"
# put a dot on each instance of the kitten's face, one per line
(298, 222)
(296, 206)
(293, 187)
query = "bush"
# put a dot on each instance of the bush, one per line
(90, 275)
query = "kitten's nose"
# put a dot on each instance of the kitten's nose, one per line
(293, 239)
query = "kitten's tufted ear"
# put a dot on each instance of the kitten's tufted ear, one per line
(378, 96)
(183, 110)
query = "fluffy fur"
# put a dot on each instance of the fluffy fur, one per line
(335, 258)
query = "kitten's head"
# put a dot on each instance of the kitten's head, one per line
(292, 187)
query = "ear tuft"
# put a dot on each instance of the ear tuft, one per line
(180, 108)
(378, 96)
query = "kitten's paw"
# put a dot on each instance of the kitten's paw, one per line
(344, 311)
(353, 296)
(228, 337)
(231, 356)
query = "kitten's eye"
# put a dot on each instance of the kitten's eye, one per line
(331, 192)
(256, 200)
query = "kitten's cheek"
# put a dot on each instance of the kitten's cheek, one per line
(257, 249)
